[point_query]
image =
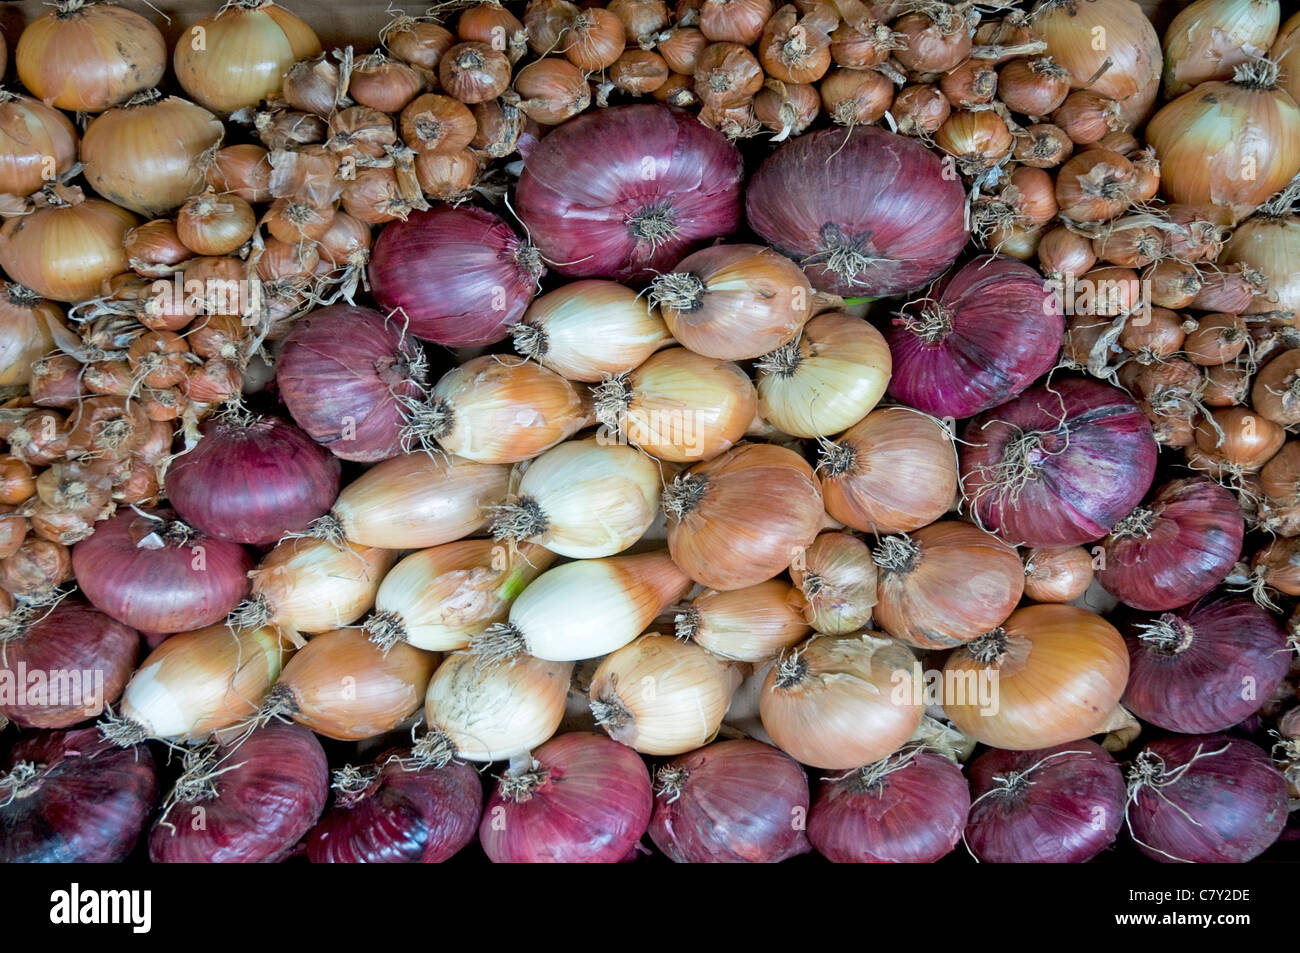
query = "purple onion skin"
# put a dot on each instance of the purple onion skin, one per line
(343, 373)
(1070, 813)
(73, 637)
(174, 588)
(88, 804)
(276, 787)
(403, 816)
(592, 808)
(1192, 542)
(1234, 659)
(1004, 332)
(1094, 462)
(1236, 802)
(914, 815)
(586, 179)
(456, 276)
(253, 484)
(742, 802)
(879, 193)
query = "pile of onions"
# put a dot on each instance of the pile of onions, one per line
(979, 337)
(907, 808)
(1204, 667)
(896, 227)
(628, 191)
(1063, 804)
(745, 625)
(582, 799)
(1058, 465)
(731, 802)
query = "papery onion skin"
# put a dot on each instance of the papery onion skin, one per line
(32, 135)
(746, 625)
(1058, 805)
(1057, 573)
(66, 253)
(737, 801)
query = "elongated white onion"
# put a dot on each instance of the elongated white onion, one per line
(748, 625)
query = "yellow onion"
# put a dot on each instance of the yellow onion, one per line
(1268, 243)
(1286, 51)
(661, 696)
(753, 624)
(37, 144)
(1050, 674)
(67, 250)
(827, 380)
(239, 56)
(1057, 573)
(1210, 38)
(583, 499)
(837, 577)
(243, 170)
(27, 328)
(212, 224)
(440, 598)
(839, 702)
(586, 330)
(584, 609)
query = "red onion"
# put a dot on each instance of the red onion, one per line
(457, 276)
(908, 808)
(1204, 667)
(256, 799)
(1059, 805)
(866, 212)
(1175, 547)
(73, 797)
(979, 337)
(157, 574)
(629, 191)
(83, 657)
(586, 799)
(345, 373)
(252, 480)
(1205, 799)
(1058, 465)
(390, 812)
(731, 802)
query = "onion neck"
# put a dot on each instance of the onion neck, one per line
(385, 628)
(682, 291)
(897, 554)
(1169, 635)
(669, 781)
(683, 495)
(352, 785)
(19, 782)
(990, 647)
(653, 224)
(1138, 523)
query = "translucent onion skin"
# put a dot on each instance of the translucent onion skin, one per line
(1226, 807)
(1174, 548)
(897, 227)
(87, 803)
(628, 191)
(979, 337)
(733, 802)
(587, 800)
(1204, 667)
(272, 787)
(1058, 805)
(905, 809)
(1058, 465)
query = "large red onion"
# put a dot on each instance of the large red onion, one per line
(62, 667)
(253, 480)
(457, 276)
(908, 808)
(346, 373)
(587, 799)
(73, 797)
(157, 574)
(390, 812)
(628, 192)
(1204, 667)
(866, 212)
(1175, 547)
(1059, 465)
(244, 803)
(1059, 805)
(979, 337)
(731, 802)
(1205, 799)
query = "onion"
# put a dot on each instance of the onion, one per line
(1235, 440)
(1267, 243)
(1210, 38)
(1049, 674)
(746, 625)
(1057, 573)
(787, 109)
(418, 41)
(583, 799)
(27, 328)
(68, 249)
(1035, 86)
(553, 91)
(247, 802)
(640, 212)
(1044, 146)
(71, 797)
(1058, 805)
(977, 140)
(899, 227)
(243, 170)
(209, 224)
(37, 144)
(383, 83)
(1205, 799)
(920, 109)
(1286, 51)
(855, 97)
(837, 577)
(909, 807)
(35, 568)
